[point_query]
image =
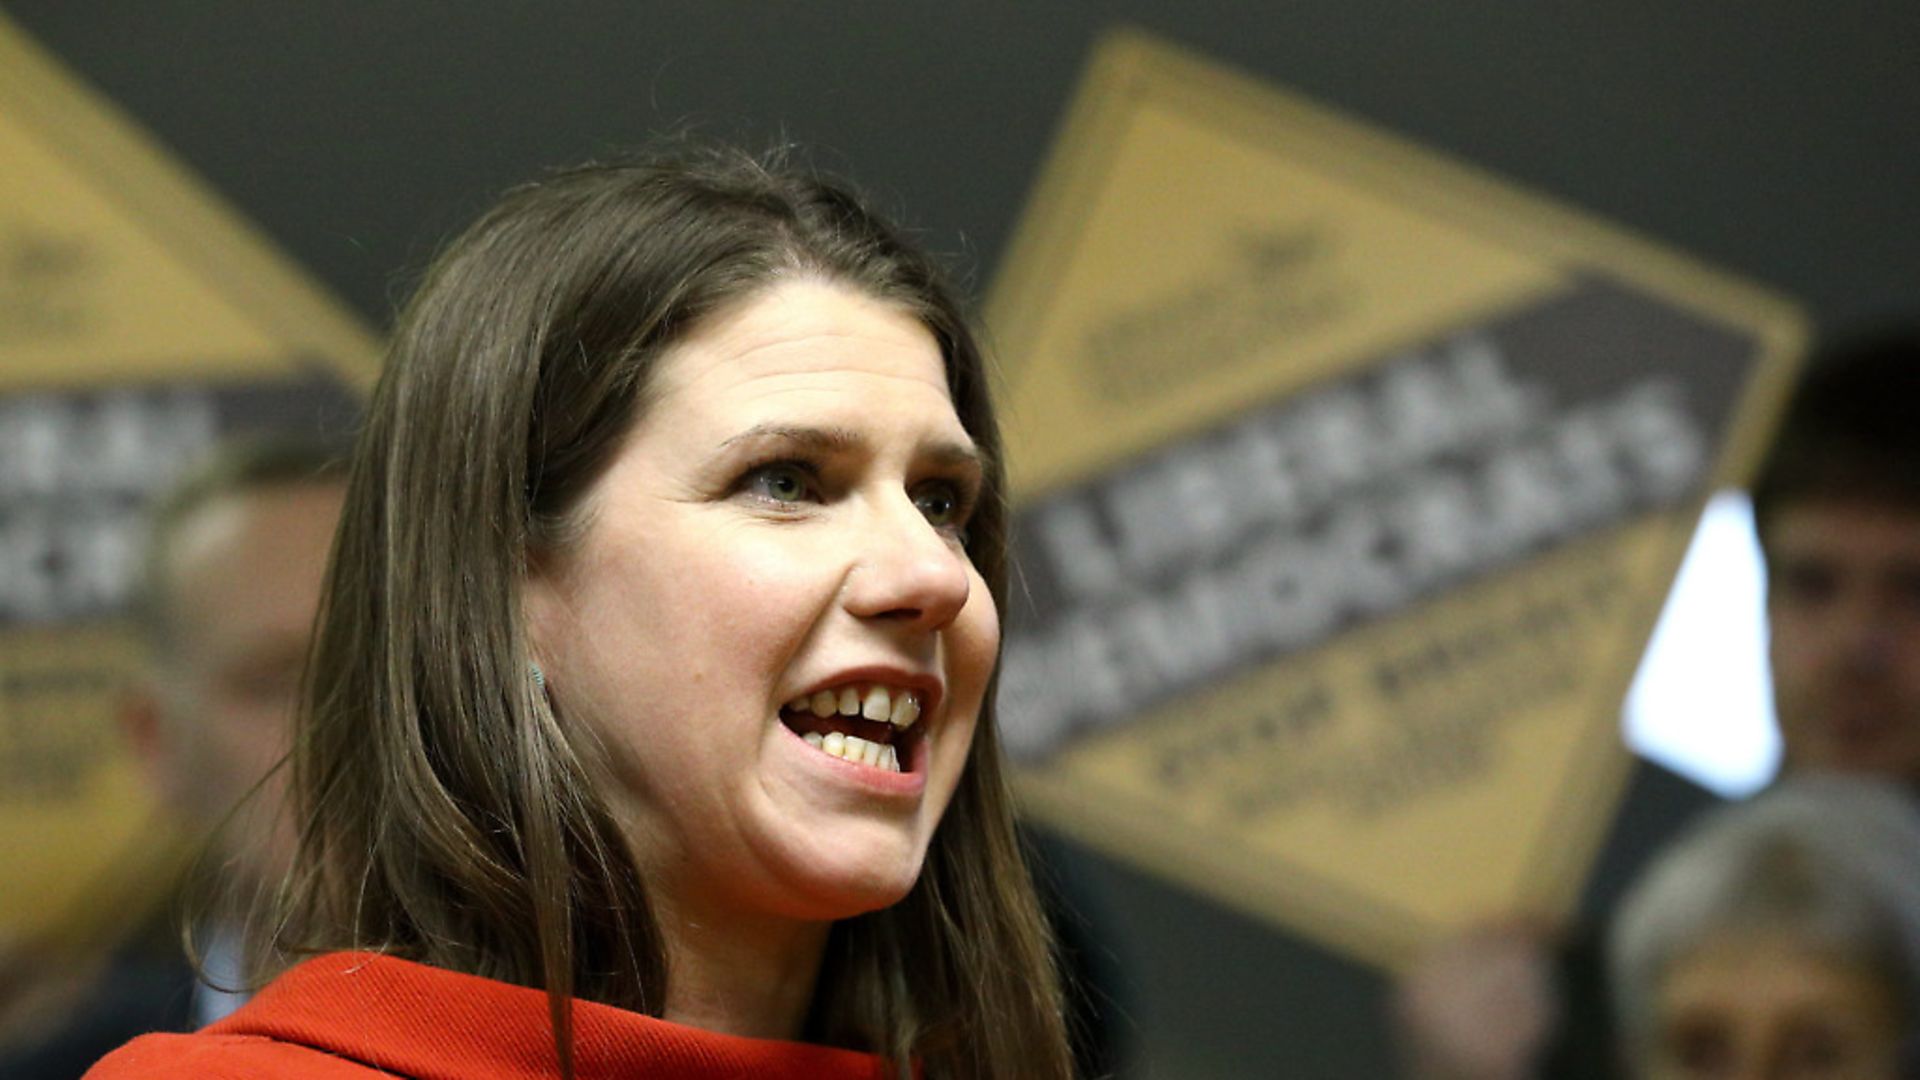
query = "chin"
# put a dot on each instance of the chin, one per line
(831, 889)
(874, 892)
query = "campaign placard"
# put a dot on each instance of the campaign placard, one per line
(1349, 481)
(141, 322)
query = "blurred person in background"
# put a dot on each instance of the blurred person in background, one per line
(225, 605)
(1837, 509)
(1778, 940)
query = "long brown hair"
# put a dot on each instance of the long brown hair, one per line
(449, 816)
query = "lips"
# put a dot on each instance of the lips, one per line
(867, 723)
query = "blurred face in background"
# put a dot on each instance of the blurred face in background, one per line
(1843, 605)
(240, 587)
(1767, 1005)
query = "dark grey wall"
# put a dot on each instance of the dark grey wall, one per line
(1777, 138)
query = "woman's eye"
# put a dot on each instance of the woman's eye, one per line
(781, 482)
(943, 503)
(1700, 1048)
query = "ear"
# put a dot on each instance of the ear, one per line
(140, 713)
(544, 608)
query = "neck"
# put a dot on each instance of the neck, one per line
(751, 976)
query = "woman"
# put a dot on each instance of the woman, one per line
(1781, 938)
(655, 668)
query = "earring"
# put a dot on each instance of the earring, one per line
(539, 677)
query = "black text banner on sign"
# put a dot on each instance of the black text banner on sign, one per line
(1348, 483)
(141, 322)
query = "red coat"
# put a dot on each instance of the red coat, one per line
(353, 1016)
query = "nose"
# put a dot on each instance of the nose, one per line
(1866, 634)
(905, 570)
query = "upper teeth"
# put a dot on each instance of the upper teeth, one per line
(874, 702)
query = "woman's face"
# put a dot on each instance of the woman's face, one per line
(1769, 1006)
(784, 526)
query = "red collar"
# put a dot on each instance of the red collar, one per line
(431, 1024)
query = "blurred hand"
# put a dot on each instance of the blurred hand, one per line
(1480, 1006)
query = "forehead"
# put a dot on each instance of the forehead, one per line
(1843, 529)
(801, 337)
(287, 519)
(247, 549)
(1774, 972)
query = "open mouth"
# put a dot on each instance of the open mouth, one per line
(869, 724)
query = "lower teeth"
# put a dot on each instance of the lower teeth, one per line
(855, 749)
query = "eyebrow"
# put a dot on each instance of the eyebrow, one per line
(841, 440)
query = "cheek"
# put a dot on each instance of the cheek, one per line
(984, 620)
(974, 641)
(713, 634)
(1907, 649)
(746, 605)
(1792, 644)
(243, 736)
(972, 645)
(760, 594)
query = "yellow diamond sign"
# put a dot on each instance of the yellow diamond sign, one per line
(140, 322)
(1348, 481)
